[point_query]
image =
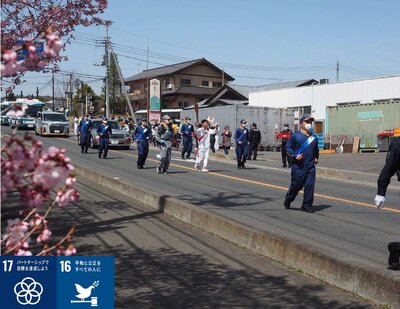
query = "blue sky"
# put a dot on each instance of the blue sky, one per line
(286, 40)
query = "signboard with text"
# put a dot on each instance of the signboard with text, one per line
(57, 282)
(154, 108)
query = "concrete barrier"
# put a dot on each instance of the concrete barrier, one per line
(376, 284)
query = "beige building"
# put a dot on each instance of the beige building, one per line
(182, 84)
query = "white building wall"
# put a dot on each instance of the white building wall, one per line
(321, 96)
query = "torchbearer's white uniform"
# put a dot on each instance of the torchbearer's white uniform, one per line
(203, 137)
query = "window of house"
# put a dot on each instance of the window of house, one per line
(185, 104)
(185, 81)
(180, 104)
(164, 83)
(204, 83)
(217, 84)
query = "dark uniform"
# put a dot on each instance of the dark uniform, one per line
(104, 131)
(242, 146)
(142, 135)
(85, 127)
(303, 171)
(283, 147)
(255, 140)
(391, 167)
(187, 131)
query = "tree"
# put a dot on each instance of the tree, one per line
(80, 97)
(11, 96)
(31, 32)
(117, 101)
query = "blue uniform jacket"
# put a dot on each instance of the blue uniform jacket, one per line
(309, 154)
(104, 131)
(187, 130)
(142, 135)
(242, 135)
(85, 126)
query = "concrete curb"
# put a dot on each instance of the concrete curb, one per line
(376, 284)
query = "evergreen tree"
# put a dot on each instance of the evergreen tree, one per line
(79, 100)
(117, 101)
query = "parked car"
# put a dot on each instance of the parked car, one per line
(119, 138)
(5, 120)
(27, 119)
(51, 123)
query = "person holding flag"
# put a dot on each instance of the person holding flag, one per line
(104, 132)
(302, 147)
(242, 140)
(142, 135)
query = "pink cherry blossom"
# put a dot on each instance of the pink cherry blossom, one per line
(70, 250)
(22, 252)
(35, 21)
(16, 231)
(44, 236)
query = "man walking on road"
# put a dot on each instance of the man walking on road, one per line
(242, 144)
(285, 135)
(104, 132)
(186, 132)
(302, 147)
(164, 138)
(142, 135)
(203, 149)
(255, 140)
(391, 167)
(85, 127)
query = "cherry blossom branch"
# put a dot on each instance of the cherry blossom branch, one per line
(32, 231)
(66, 238)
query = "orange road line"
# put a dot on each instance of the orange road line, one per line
(264, 184)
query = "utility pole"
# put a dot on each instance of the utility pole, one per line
(123, 86)
(148, 49)
(337, 71)
(53, 92)
(86, 104)
(106, 61)
(70, 91)
(37, 92)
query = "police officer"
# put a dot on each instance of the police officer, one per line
(104, 132)
(286, 132)
(186, 132)
(391, 167)
(242, 144)
(255, 140)
(142, 135)
(85, 128)
(302, 147)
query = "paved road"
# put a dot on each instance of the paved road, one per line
(163, 263)
(345, 223)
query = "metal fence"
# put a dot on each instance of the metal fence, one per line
(268, 120)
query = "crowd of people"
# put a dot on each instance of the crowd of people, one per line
(299, 151)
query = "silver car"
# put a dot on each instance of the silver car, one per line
(51, 123)
(119, 137)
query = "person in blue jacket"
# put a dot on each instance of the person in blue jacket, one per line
(302, 147)
(186, 132)
(85, 128)
(104, 131)
(242, 140)
(142, 135)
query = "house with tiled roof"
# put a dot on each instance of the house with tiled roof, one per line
(182, 84)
